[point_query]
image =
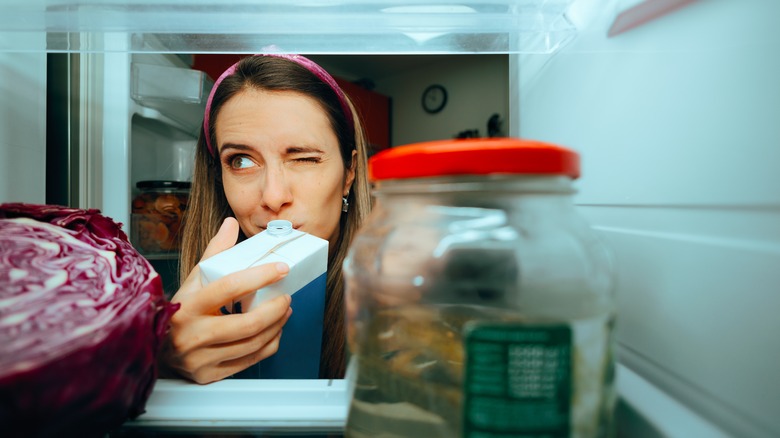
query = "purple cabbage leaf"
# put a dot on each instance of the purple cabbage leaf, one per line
(82, 319)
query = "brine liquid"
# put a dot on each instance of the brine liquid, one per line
(492, 379)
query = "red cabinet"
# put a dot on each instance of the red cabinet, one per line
(374, 109)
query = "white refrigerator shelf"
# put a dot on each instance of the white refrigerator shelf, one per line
(240, 405)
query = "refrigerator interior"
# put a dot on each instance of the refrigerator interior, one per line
(675, 119)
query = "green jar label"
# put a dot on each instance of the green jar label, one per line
(517, 381)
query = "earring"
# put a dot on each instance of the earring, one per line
(344, 204)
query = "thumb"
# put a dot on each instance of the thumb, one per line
(225, 238)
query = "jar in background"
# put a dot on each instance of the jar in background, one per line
(479, 303)
(156, 216)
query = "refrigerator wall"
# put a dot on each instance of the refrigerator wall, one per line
(23, 127)
(676, 121)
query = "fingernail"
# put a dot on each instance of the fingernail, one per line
(282, 268)
(289, 300)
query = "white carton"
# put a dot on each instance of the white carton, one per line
(299, 349)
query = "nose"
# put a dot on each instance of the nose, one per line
(276, 191)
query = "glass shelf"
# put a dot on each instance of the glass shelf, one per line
(303, 26)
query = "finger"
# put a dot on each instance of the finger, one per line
(247, 346)
(226, 237)
(234, 286)
(192, 332)
(190, 286)
(201, 364)
(232, 328)
(242, 363)
(230, 367)
(216, 354)
(245, 325)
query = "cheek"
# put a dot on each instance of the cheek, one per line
(237, 195)
(328, 212)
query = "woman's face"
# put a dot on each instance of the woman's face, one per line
(281, 160)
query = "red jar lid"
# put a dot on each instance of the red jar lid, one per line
(474, 156)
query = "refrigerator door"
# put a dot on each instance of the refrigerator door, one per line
(675, 120)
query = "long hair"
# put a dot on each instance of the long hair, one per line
(208, 206)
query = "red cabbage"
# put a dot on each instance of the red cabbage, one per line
(82, 318)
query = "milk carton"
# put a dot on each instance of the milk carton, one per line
(298, 356)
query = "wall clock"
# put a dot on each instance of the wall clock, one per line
(434, 98)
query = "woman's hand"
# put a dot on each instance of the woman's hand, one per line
(205, 346)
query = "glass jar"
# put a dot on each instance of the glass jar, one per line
(479, 303)
(157, 212)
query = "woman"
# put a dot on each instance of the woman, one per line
(280, 140)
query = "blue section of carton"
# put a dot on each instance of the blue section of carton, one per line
(298, 356)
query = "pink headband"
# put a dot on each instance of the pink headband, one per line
(307, 63)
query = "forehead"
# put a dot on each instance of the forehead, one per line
(254, 114)
(253, 100)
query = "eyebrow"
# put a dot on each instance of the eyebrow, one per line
(240, 147)
(289, 151)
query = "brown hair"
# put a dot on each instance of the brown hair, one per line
(208, 206)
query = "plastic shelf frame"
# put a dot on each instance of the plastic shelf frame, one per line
(233, 405)
(178, 94)
(302, 26)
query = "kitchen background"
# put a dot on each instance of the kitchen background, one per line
(477, 88)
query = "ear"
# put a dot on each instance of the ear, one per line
(349, 176)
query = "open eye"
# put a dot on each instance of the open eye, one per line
(241, 162)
